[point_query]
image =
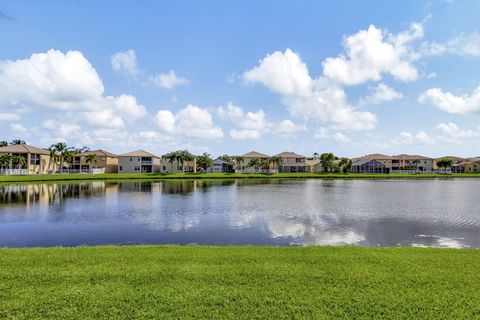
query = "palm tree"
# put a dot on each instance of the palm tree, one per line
(254, 163)
(315, 155)
(3, 143)
(184, 156)
(5, 161)
(17, 142)
(415, 164)
(19, 161)
(63, 151)
(276, 161)
(238, 160)
(91, 158)
(345, 164)
(53, 155)
(327, 160)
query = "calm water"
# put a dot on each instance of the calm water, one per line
(439, 213)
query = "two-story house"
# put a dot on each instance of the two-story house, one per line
(138, 161)
(292, 162)
(35, 160)
(95, 161)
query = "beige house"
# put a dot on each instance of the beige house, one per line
(138, 161)
(37, 160)
(292, 162)
(243, 165)
(176, 166)
(415, 163)
(471, 165)
(105, 162)
(314, 165)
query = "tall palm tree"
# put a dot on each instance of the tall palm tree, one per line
(19, 161)
(91, 158)
(238, 160)
(276, 161)
(5, 161)
(254, 163)
(53, 156)
(185, 156)
(63, 152)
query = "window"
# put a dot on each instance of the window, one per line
(164, 168)
(130, 158)
(137, 168)
(35, 159)
(121, 168)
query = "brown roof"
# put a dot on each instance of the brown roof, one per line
(287, 154)
(412, 157)
(98, 153)
(254, 154)
(376, 156)
(312, 162)
(23, 148)
(139, 153)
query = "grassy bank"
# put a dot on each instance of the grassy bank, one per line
(239, 283)
(140, 176)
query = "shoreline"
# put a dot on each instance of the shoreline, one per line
(212, 176)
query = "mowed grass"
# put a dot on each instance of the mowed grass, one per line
(190, 282)
(140, 176)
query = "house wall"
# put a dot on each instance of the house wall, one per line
(174, 167)
(244, 169)
(472, 167)
(107, 164)
(128, 164)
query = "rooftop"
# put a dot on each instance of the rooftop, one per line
(23, 148)
(254, 154)
(139, 153)
(287, 154)
(100, 152)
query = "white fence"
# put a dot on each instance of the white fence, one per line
(10, 172)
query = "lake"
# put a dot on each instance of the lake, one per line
(438, 213)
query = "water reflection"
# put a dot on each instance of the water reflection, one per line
(257, 212)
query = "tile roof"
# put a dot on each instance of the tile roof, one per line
(254, 154)
(99, 152)
(23, 148)
(287, 154)
(139, 153)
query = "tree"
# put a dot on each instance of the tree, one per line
(415, 164)
(91, 158)
(327, 161)
(225, 157)
(237, 161)
(63, 152)
(184, 156)
(53, 155)
(344, 164)
(315, 155)
(204, 162)
(254, 163)
(19, 162)
(276, 161)
(5, 161)
(17, 142)
(444, 163)
(3, 143)
(264, 163)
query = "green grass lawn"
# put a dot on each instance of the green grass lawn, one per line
(138, 176)
(171, 282)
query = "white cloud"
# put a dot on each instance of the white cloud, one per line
(419, 138)
(287, 127)
(8, 116)
(381, 93)
(61, 128)
(126, 62)
(321, 133)
(17, 127)
(451, 103)
(249, 125)
(68, 82)
(463, 44)
(451, 131)
(340, 137)
(318, 100)
(168, 80)
(192, 121)
(372, 52)
(284, 73)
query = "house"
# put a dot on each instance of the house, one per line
(247, 157)
(104, 162)
(176, 166)
(314, 165)
(292, 162)
(385, 160)
(366, 165)
(221, 166)
(471, 165)
(412, 163)
(457, 167)
(36, 160)
(138, 161)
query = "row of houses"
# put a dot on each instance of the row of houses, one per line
(38, 160)
(404, 163)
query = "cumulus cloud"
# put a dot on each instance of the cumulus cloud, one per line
(54, 80)
(248, 125)
(381, 93)
(168, 80)
(419, 138)
(288, 127)
(61, 128)
(373, 52)
(191, 121)
(126, 62)
(318, 99)
(448, 102)
(18, 127)
(450, 132)
(340, 137)
(463, 44)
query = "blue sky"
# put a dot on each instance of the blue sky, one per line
(348, 77)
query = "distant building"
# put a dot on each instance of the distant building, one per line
(243, 165)
(292, 162)
(405, 163)
(105, 162)
(138, 161)
(221, 166)
(369, 166)
(176, 166)
(314, 166)
(37, 160)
